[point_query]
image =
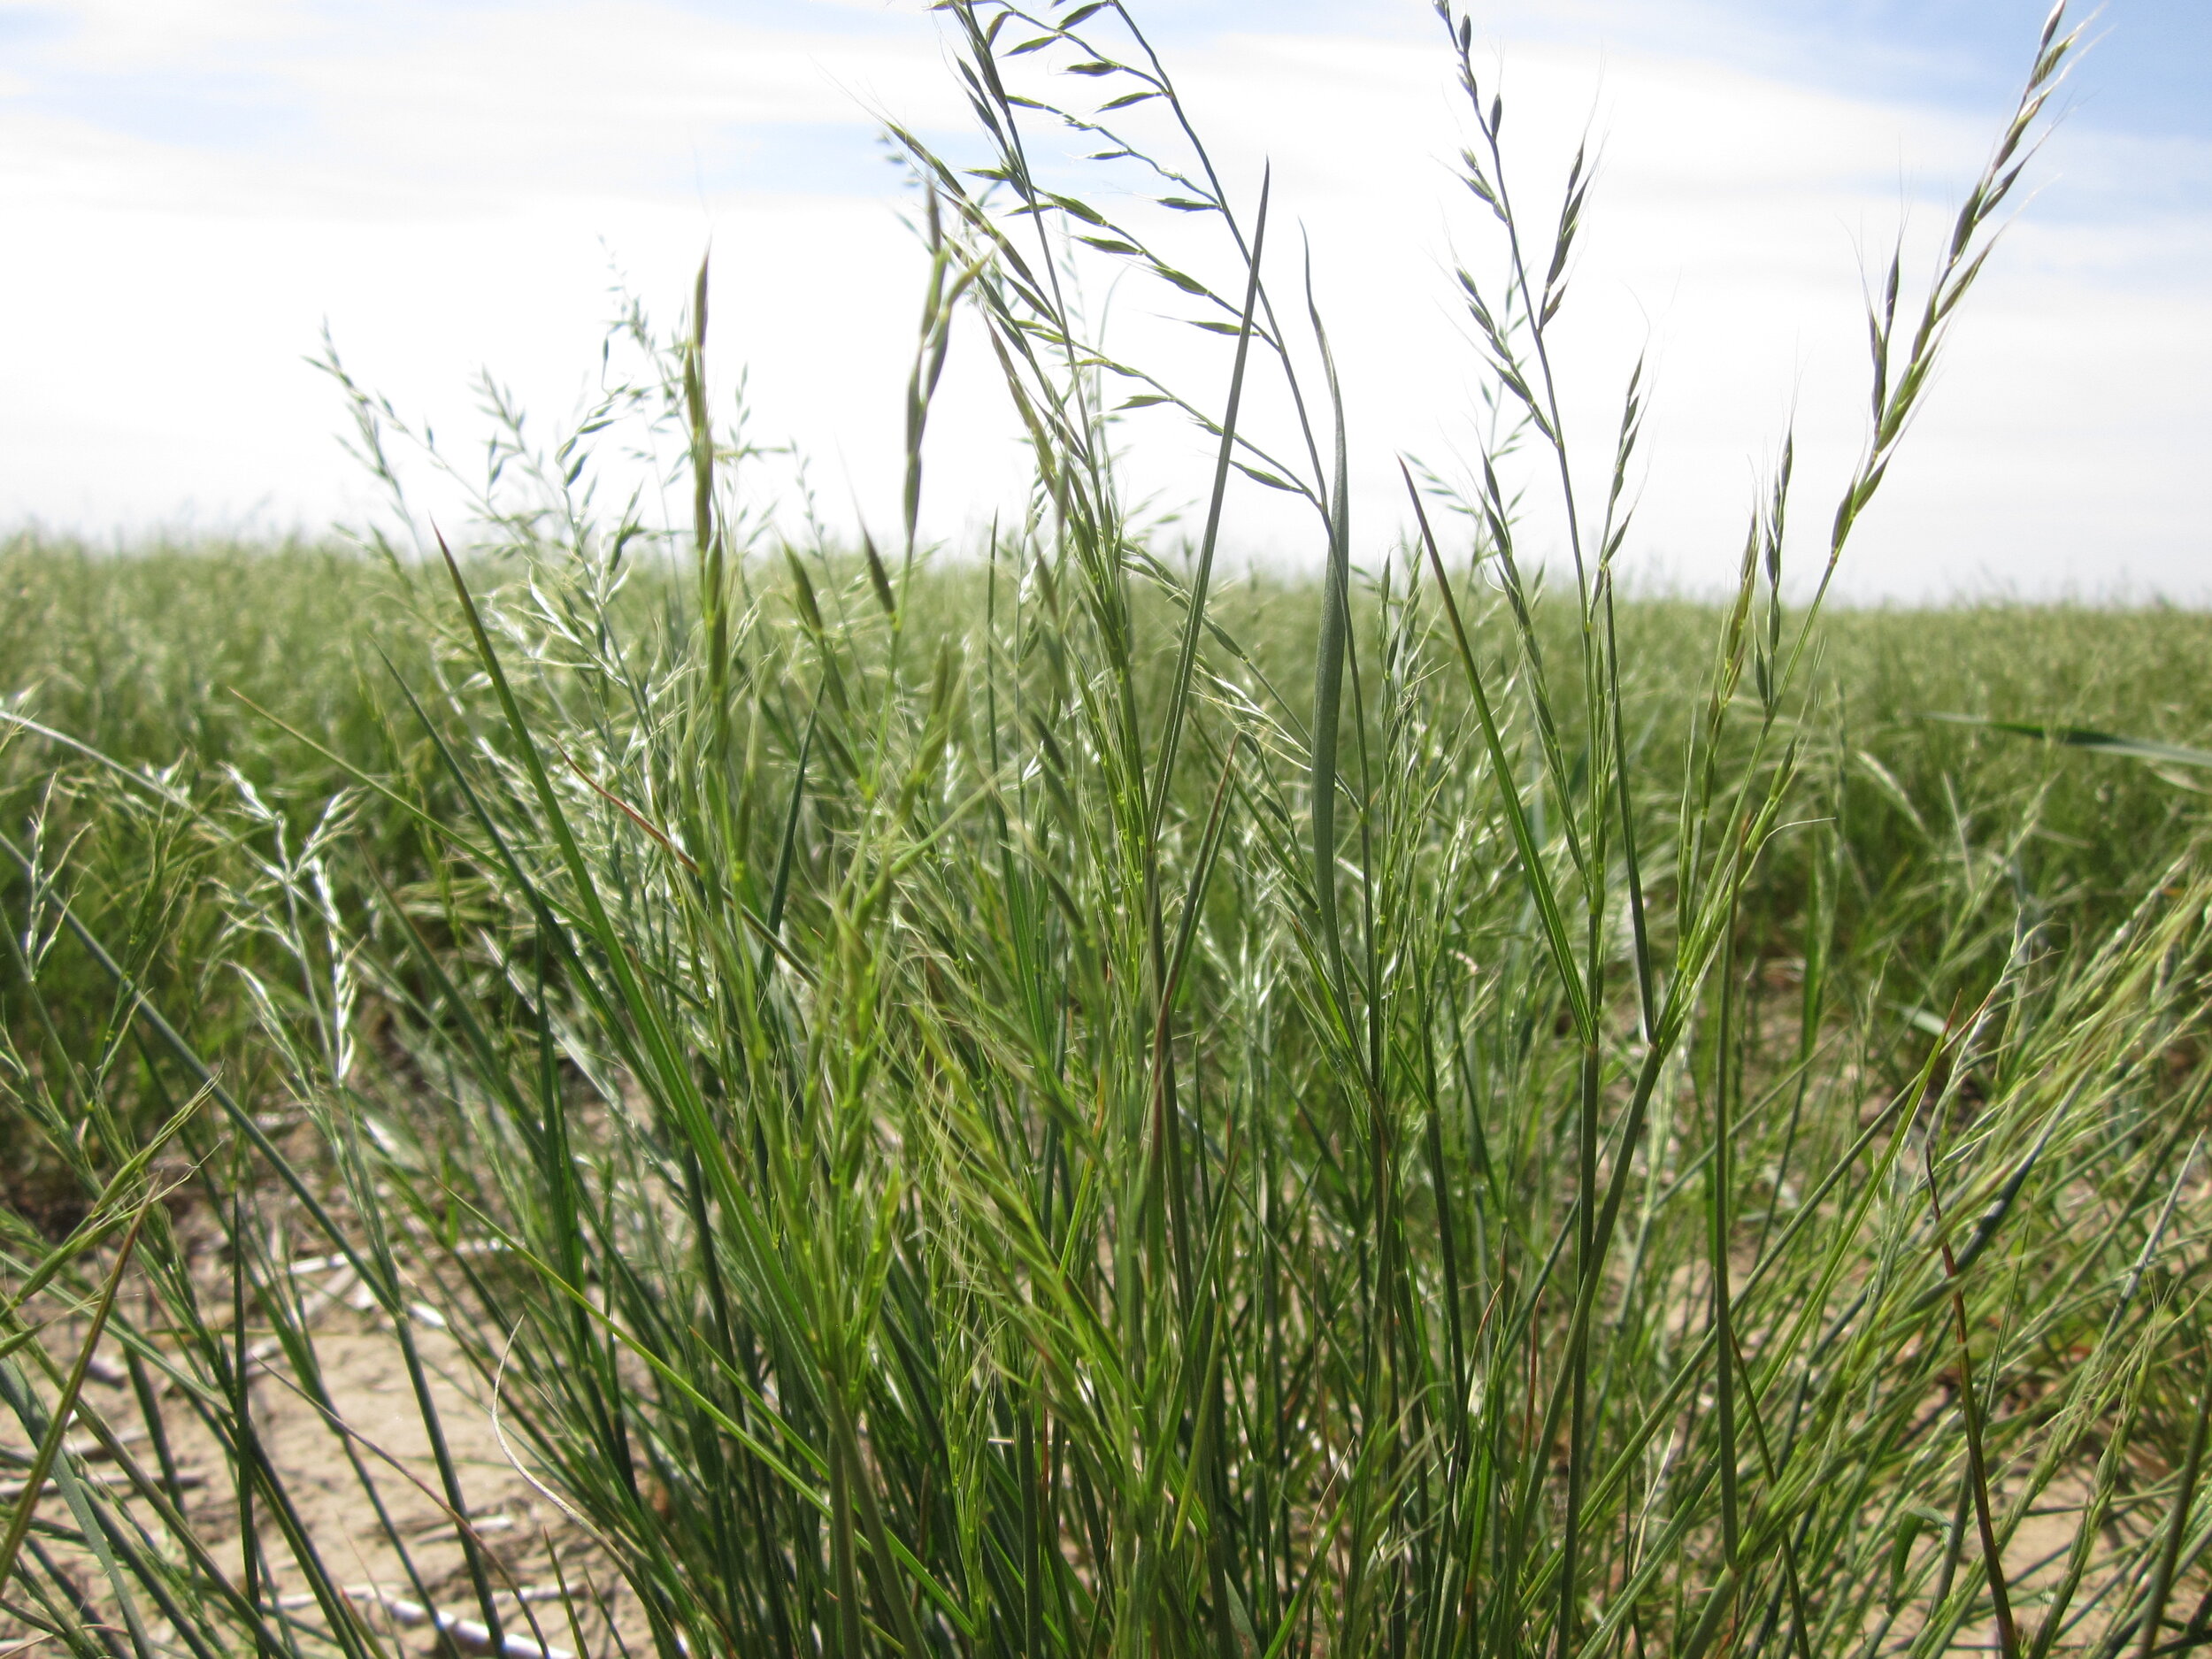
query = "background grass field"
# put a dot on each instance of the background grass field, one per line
(697, 1090)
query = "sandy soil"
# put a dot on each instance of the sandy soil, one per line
(531, 1545)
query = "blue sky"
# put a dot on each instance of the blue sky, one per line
(447, 186)
(2149, 72)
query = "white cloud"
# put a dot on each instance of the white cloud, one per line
(452, 171)
(119, 35)
(456, 106)
(593, 92)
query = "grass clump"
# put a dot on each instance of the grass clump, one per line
(999, 1111)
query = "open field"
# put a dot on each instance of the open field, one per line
(2046, 903)
(700, 1090)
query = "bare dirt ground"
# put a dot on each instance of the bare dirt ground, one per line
(553, 1591)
